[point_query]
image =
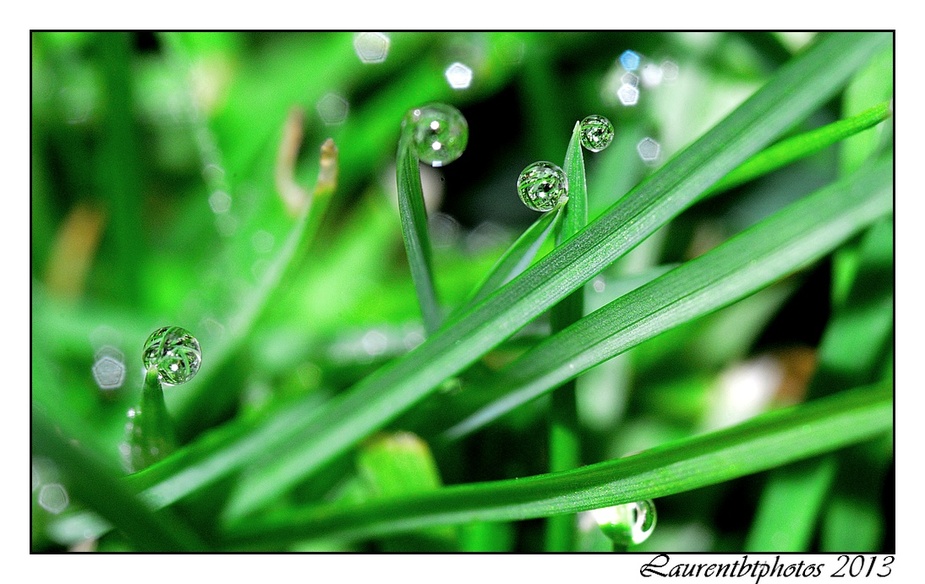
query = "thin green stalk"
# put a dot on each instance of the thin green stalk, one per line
(415, 232)
(149, 432)
(801, 146)
(564, 429)
(764, 442)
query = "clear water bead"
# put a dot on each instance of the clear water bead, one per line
(596, 133)
(543, 186)
(627, 524)
(174, 352)
(439, 133)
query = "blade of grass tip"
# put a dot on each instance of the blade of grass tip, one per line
(515, 260)
(796, 90)
(415, 232)
(564, 431)
(764, 442)
(93, 483)
(792, 149)
(198, 402)
(788, 240)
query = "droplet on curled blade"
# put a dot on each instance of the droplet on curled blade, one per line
(438, 131)
(174, 352)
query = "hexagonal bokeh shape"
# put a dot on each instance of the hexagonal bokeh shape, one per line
(459, 76)
(333, 109)
(371, 47)
(648, 150)
(628, 94)
(109, 372)
(630, 60)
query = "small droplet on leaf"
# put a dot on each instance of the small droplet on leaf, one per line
(596, 133)
(438, 131)
(174, 352)
(543, 186)
(627, 524)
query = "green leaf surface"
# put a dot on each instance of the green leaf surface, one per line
(762, 443)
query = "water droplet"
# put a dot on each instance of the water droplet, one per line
(596, 133)
(543, 186)
(439, 132)
(627, 524)
(174, 352)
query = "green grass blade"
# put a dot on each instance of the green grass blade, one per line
(92, 482)
(792, 238)
(515, 259)
(801, 146)
(757, 445)
(415, 232)
(795, 91)
(564, 429)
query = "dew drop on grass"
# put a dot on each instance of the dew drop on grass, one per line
(439, 133)
(543, 186)
(174, 352)
(627, 524)
(596, 133)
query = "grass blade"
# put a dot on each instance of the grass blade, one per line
(564, 429)
(515, 259)
(795, 91)
(797, 147)
(92, 483)
(415, 233)
(759, 444)
(781, 244)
